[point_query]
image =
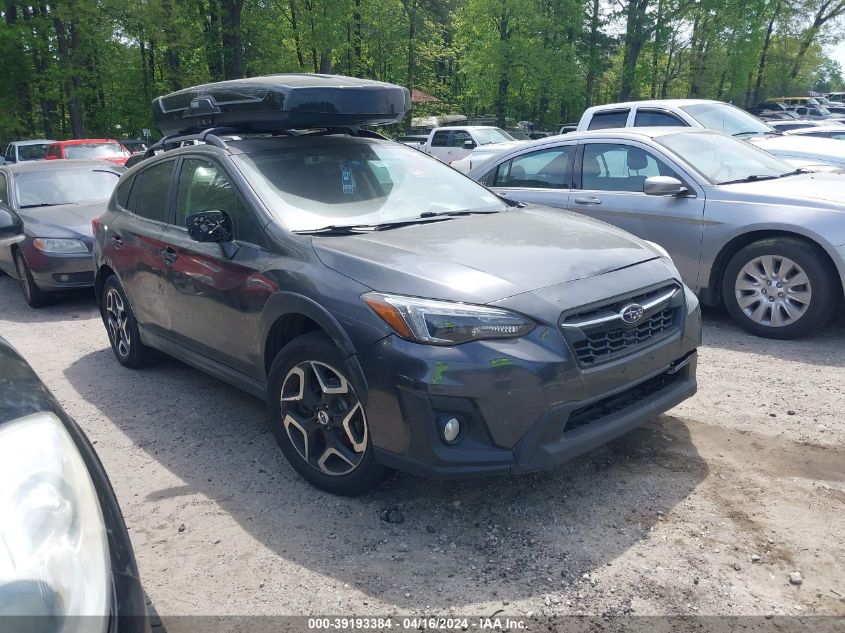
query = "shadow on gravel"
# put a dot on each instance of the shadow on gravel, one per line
(81, 302)
(465, 541)
(824, 347)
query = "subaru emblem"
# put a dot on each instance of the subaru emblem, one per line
(631, 313)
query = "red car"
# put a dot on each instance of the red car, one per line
(90, 148)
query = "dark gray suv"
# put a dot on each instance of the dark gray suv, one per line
(393, 313)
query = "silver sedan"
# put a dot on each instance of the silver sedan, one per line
(743, 227)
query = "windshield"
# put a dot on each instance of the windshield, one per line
(721, 160)
(723, 117)
(492, 135)
(64, 186)
(313, 183)
(32, 152)
(95, 150)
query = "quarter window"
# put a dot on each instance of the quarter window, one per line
(204, 186)
(616, 167)
(153, 189)
(4, 190)
(605, 120)
(545, 169)
(123, 191)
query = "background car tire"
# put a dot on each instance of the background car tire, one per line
(809, 259)
(35, 297)
(123, 330)
(317, 348)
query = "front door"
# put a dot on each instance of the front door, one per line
(216, 299)
(611, 189)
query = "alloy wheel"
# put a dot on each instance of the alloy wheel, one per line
(323, 418)
(773, 291)
(117, 321)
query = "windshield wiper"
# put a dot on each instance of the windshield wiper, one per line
(751, 178)
(43, 204)
(440, 214)
(350, 229)
(796, 172)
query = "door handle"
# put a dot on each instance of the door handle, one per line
(589, 200)
(118, 241)
(169, 255)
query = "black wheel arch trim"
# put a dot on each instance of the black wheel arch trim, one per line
(284, 303)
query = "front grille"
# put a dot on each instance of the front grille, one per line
(613, 404)
(599, 346)
(597, 334)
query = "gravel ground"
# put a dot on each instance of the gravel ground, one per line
(706, 510)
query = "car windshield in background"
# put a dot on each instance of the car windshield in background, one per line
(64, 186)
(32, 152)
(722, 160)
(492, 135)
(314, 184)
(94, 150)
(726, 118)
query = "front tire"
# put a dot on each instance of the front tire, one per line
(122, 327)
(779, 288)
(318, 417)
(34, 296)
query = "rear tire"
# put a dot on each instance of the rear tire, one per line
(318, 418)
(779, 288)
(122, 328)
(34, 296)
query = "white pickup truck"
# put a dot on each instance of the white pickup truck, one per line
(452, 143)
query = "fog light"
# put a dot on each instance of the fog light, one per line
(450, 429)
(64, 278)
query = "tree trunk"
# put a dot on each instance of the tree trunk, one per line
(233, 55)
(501, 104)
(67, 40)
(358, 41)
(634, 35)
(297, 36)
(761, 67)
(592, 57)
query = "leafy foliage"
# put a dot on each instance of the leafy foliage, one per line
(91, 67)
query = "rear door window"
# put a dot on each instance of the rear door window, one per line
(441, 139)
(544, 169)
(611, 119)
(151, 201)
(654, 118)
(4, 190)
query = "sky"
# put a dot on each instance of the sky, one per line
(837, 52)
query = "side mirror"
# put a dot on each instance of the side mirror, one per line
(469, 144)
(663, 186)
(11, 227)
(209, 226)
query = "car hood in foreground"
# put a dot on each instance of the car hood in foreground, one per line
(826, 150)
(821, 190)
(483, 258)
(66, 220)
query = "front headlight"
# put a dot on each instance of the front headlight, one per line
(59, 245)
(445, 322)
(54, 556)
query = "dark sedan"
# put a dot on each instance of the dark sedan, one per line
(57, 201)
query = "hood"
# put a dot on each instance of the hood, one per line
(825, 150)
(821, 190)
(483, 258)
(66, 220)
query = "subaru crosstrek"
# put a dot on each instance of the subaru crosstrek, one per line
(393, 313)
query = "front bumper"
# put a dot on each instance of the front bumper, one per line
(525, 404)
(58, 271)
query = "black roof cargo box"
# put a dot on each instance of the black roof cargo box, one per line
(281, 102)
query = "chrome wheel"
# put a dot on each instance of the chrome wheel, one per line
(118, 322)
(773, 291)
(323, 418)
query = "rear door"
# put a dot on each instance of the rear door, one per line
(609, 187)
(134, 243)
(215, 300)
(542, 176)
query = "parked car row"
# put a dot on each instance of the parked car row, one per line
(89, 148)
